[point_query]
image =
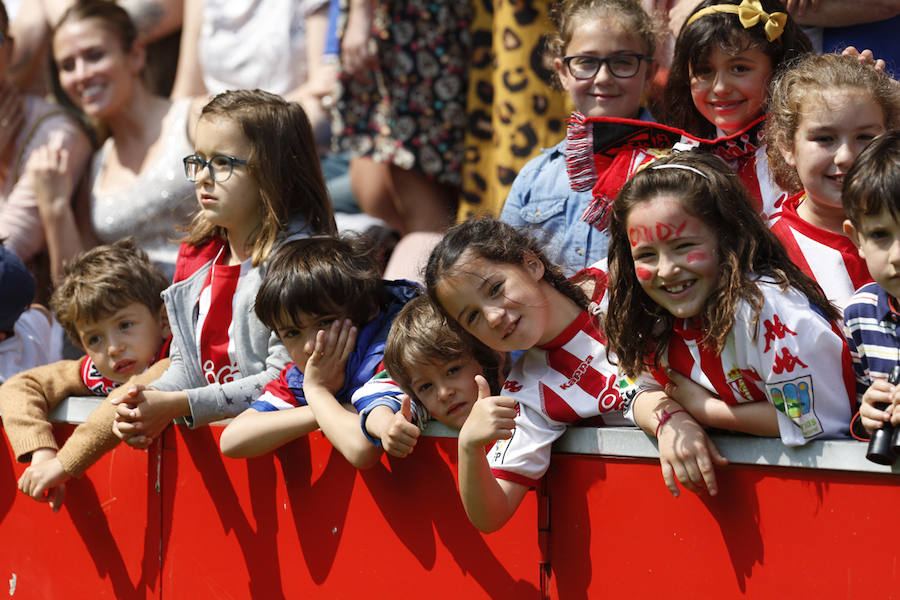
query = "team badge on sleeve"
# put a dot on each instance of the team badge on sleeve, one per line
(628, 390)
(794, 398)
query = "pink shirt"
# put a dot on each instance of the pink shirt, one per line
(20, 223)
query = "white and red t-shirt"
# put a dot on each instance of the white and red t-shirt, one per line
(102, 386)
(215, 322)
(567, 380)
(792, 356)
(829, 258)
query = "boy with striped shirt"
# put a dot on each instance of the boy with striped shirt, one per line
(871, 198)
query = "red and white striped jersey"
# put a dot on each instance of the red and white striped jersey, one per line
(791, 356)
(829, 258)
(567, 380)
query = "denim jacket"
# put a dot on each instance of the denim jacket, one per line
(541, 200)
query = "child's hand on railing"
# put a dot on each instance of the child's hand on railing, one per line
(45, 479)
(142, 413)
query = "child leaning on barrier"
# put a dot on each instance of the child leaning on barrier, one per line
(704, 296)
(258, 183)
(325, 299)
(496, 283)
(437, 365)
(871, 198)
(109, 304)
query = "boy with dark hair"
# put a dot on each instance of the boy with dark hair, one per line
(109, 303)
(871, 198)
(325, 299)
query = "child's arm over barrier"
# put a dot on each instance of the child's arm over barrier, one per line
(253, 433)
(755, 418)
(489, 502)
(25, 402)
(272, 421)
(141, 416)
(686, 453)
(396, 431)
(323, 375)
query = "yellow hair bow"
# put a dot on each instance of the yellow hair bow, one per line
(750, 13)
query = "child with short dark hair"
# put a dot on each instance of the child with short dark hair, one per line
(109, 303)
(435, 362)
(871, 198)
(325, 299)
(28, 335)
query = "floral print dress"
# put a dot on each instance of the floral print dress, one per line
(412, 112)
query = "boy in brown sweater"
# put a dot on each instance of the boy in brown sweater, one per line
(109, 304)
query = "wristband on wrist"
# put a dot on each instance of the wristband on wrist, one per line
(666, 415)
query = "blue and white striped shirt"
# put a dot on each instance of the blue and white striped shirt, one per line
(870, 325)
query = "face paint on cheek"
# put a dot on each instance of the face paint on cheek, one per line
(695, 257)
(643, 274)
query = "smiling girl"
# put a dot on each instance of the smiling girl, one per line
(603, 57)
(825, 111)
(497, 284)
(725, 56)
(728, 311)
(726, 53)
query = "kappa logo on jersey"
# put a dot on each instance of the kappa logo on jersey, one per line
(775, 329)
(794, 398)
(786, 362)
(740, 380)
(512, 386)
(579, 372)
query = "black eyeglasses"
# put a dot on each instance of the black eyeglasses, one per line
(622, 65)
(220, 166)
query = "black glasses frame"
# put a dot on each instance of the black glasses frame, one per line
(196, 158)
(608, 61)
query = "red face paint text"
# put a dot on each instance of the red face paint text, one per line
(661, 232)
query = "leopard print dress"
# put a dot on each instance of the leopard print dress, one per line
(513, 111)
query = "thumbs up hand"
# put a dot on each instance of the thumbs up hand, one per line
(401, 435)
(492, 418)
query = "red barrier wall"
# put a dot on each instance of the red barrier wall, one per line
(770, 532)
(181, 521)
(297, 523)
(104, 542)
(302, 523)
